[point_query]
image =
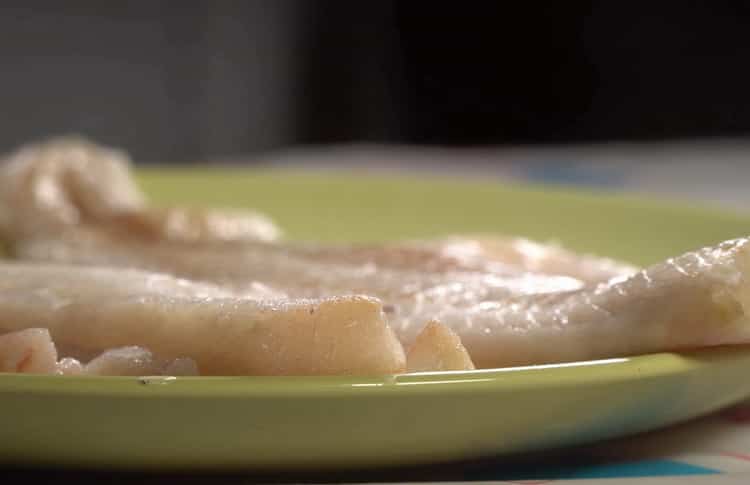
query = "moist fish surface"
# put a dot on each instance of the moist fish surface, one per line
(510, 301)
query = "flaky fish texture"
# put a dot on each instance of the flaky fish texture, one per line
(48, 187)
(510, 301)
(137, 361)
(65, 186)
(29, 351)
(95, 309)
(437, 348)
(32, 351)
(694, 300)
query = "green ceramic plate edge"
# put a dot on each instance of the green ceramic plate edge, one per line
(344, 422)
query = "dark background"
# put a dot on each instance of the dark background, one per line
(184, 80)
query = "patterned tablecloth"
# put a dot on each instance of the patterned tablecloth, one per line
(708, 450)
(714, 449)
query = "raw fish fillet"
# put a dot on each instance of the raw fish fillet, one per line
(95, 309)
(694, 300)
(69, 182)
(510, 301)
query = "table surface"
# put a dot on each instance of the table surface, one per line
(713, 449)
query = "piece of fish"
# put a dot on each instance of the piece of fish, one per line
(70, 182)
(409, 292)
(137, 361)
(515, 254)
(437, 349)
(29, 351)
(511, 301)
(32, 351)
(95, 309)
(68, 366)
(691, 301)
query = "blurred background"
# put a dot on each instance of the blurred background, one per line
(181, 81)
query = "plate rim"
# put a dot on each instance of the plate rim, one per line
(557, 375)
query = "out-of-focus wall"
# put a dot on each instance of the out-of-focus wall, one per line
(168, 80)
(192, 80)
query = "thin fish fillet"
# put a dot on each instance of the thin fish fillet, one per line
(69, 182)
(511, 302)
(71, 185)
(691, 301)
(698, 299)
(515, 254)
(100, 308)
(408, 293)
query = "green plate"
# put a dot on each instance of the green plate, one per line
(296, 423)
